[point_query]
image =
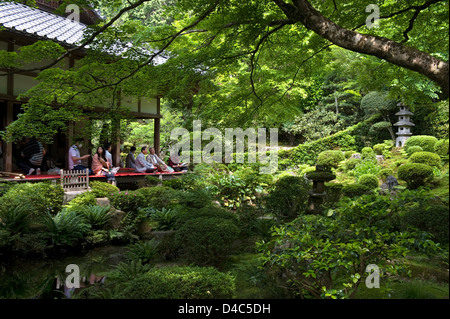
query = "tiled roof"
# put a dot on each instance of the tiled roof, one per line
(34, 22)
(37, 23)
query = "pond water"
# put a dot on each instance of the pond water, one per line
(45, 279)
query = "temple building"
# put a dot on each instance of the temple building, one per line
(22, 25)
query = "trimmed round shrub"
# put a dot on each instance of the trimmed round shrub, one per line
(330, 159)
(354, 190)
(213, 211)
(288, 197)
(428, 158)
(369, 180)
(414, 149)
(102, 189)
(180, 282)
(35, 198)
(351, 163)
(349, 154)
(207, 240)
(378, 149)
(426, 142)
(385, 172)
(441, 148)
(415, 174)
(367, 153)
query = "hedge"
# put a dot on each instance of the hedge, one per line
(369, 180)
(345, 140)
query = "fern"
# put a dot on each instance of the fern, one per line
(144, 251)
(65, 229)
(16, 220)
(96, 216)
(128, 271)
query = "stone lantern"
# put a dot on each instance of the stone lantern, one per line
(317, 195)
(404, 125)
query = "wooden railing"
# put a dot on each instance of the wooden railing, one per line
(75, 180)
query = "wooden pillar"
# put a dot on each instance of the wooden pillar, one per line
(69, 142)
(116, 142)
(157, 128)
(9, 146)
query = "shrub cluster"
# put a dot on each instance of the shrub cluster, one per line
(368, 180)
(426, 142)
(413, 149)
(288, 197)
(415, 174)
(181, 282)
(330, 159)
(441, 148)
(428, 158)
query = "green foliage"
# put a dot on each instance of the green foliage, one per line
(330, 159)
(320, 176)
(157, 197)
(369, 180)
(367, 153)
(353, 190)
(67, 228)
(213, 212)
(37, 198)
(196, 198)
(348, 154)
(441, 148)
(96, 216)
(424, 141)
(288, 197)
(80, 202)
(180, 283)
(207, 240)
(384, 148)
(431, 159)
(321, 256)
(351, 163)
(176, 183)
(129, 271)
(385, 172)
(97, 237)
(413, 149)
(102, 189)
(307, 153)
(127, 201)
(366, 166)
(15, 220)
(151, 181)
(166, 218)
(144, 251)
(419, 209)
(415, 174)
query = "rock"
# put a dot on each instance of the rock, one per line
(115, 222)
(380, 158)
(355, 155)
(104, 202)
(391, 182)
(69, 195)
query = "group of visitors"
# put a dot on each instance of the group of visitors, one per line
(147, 161)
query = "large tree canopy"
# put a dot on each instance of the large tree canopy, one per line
(255, 58)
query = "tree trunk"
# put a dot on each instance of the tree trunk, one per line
(396, 53)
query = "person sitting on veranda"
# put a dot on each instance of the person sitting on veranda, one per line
(75, 158)
(174, 162)
(157, 162)
(142, 166)
(130, 160)
(32, 155)
(101, 166)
